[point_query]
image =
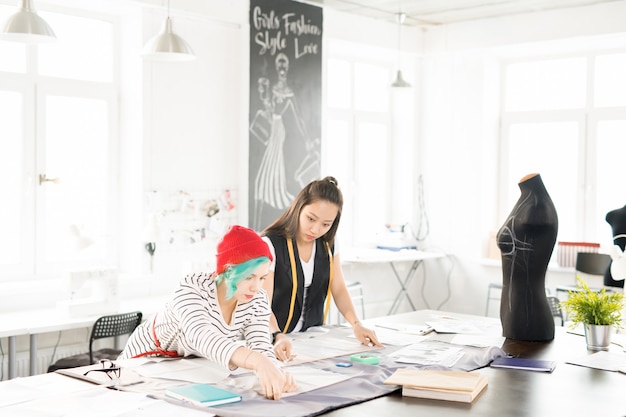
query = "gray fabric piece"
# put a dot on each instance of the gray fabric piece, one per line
(367, 384)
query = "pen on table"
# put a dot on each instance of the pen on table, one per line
(386, 327)
(427, 331)
(118, 387)
(424, 332)
(132, 383)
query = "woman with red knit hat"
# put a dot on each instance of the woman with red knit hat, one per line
(209, 313)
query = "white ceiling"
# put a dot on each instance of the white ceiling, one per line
(438, 12)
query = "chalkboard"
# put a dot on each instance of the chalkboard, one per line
(285, 105)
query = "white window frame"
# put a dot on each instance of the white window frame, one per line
(21, 84)
(89, 90)
(587, 119)
(352, 188)
(34, 89)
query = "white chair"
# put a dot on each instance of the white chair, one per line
(494, 292)
(356, 294)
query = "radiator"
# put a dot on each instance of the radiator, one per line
(44, 359)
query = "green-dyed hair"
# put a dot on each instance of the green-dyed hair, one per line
(234, 274)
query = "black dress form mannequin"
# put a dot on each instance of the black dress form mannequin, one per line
(617, 220)
(526, 241)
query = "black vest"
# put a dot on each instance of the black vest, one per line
(283, 285)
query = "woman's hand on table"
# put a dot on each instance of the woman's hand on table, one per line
(365, 335)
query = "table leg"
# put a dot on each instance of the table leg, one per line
(12, 367)
(403, 286)
(33, 355)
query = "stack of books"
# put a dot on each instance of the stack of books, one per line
(439, 385)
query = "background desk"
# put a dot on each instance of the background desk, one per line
(33, 323)
(372, 255)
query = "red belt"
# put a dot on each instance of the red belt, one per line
(158, 351)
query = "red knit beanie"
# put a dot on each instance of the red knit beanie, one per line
(239, 245)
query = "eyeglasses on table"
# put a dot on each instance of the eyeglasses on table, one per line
(109, 368)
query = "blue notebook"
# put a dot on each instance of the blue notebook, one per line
(204, 395)
(523, 363)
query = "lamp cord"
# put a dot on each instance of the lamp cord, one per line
(423, 216)
(400, 19)
(1, 362)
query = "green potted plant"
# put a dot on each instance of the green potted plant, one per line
(600, 313)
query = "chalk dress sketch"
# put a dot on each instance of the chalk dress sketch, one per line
(526, 241)
(269, 126)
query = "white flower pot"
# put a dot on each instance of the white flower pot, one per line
(598, 337)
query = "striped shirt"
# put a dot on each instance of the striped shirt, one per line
(192, 324)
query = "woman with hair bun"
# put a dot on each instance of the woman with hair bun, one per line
(306, 269)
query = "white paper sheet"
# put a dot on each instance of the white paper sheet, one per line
(307, 378)
(198, 370)
(311, 346)
(428, 354)
(453, 326)
(99, 402)
(399, 337)
(477, 340)
(606, 361)
(19, 390)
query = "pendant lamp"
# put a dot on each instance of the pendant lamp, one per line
(27, 26)
(168, 46)
(399, 82)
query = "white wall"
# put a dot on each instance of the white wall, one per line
(194, 129)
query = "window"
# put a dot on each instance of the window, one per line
(75, 209)
(357, 151)
(565, 118)
(58, 110)
(11, 169)
(546, 85)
